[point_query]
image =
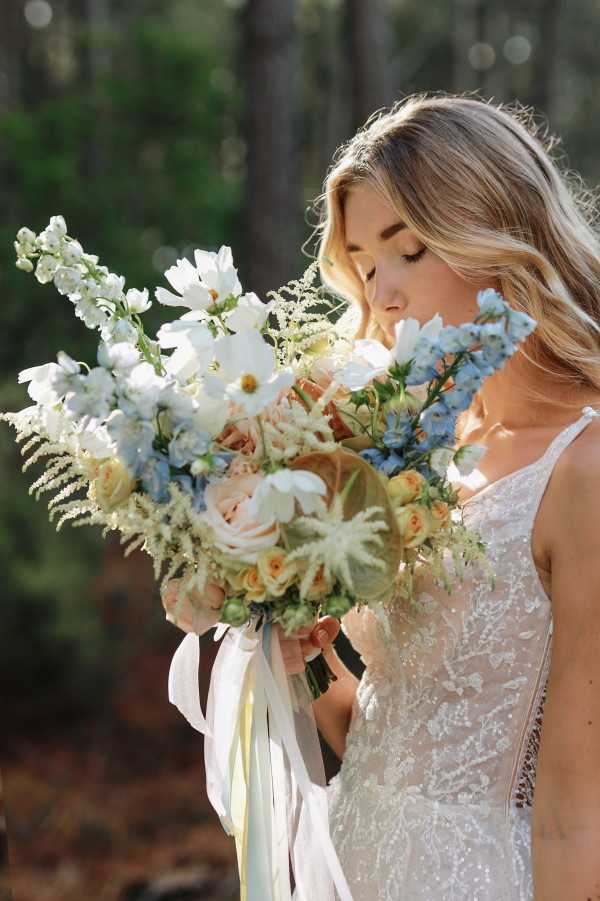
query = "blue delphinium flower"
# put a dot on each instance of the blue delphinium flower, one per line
(427, 353)
(187, 443)
(382, 461)
(468, 376)
(399, 431)
(481, 362)
(489, 301)
(456, 338)
(519, 325)
(133, 439)
(434, 419)
(155, 477)
(458, 398)
(392, 464)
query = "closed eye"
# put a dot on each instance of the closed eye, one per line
(408, 257)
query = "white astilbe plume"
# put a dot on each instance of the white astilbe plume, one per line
(337, 541)
(303, 315)
(295, 433)
(65, 473)
(174, 534)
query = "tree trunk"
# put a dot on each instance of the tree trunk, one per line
(273, 187)
(546, 52)
(369, 57)
(12, 54)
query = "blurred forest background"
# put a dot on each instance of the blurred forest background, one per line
(155, 128)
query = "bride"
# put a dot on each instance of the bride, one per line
(470, 747)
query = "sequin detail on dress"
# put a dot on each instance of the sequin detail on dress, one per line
(433, 798)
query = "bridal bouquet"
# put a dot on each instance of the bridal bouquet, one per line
(256, 447)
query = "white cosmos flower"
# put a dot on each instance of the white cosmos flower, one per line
(218, 273)
(369, 359)
(250, 313)
(247, 373)
(193, 342)
(408, 331)
(211, 281)
(276, 496)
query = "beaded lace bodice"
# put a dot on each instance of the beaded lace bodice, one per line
(434, 795)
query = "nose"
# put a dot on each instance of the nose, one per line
(386, 296)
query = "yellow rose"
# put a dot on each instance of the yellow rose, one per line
(276, 573)
(112, 485)
(414, 522)
(406, 486)
(250, 582)
(440, 515)
(320, 585)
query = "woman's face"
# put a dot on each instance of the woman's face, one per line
(402, 278)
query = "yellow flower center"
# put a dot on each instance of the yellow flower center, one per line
(214, 294)
(249, 383)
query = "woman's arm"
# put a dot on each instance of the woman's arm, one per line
(333, 709)
(566, 810)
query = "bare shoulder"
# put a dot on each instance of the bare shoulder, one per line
(568, 523)
(575, 482)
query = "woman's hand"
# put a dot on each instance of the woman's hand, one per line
(296, 647)
(197, 611)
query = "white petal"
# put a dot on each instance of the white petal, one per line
(432, 328)
(407, 333)
(182, 275)
(308, 481)
(167, 298)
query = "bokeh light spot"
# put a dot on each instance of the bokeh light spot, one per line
(482, 56)
(38, 13)
(517, 49)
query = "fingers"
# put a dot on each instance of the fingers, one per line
(325, 632)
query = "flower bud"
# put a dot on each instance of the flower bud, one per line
(24, 264)
(336, 605)
(234, 612)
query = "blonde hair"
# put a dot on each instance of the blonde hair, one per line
(476, 183)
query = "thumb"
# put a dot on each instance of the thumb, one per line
(325, 632)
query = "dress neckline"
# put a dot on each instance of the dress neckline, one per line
(586, 411)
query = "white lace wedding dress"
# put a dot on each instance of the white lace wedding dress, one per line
(433, 799)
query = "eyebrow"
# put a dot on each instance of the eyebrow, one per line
(387, 233)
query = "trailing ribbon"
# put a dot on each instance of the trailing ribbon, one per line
(264, 768)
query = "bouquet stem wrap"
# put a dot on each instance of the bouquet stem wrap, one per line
(264, 769)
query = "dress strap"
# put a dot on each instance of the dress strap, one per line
(555, 449)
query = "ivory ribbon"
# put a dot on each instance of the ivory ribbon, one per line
(264, 769)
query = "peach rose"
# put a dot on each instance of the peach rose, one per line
(250, 582)
(197, 611)
(276, 572)
(440, 515)
(406, 486)
(112, 485)
(320, 585)
(414, 522)
(229, 512)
